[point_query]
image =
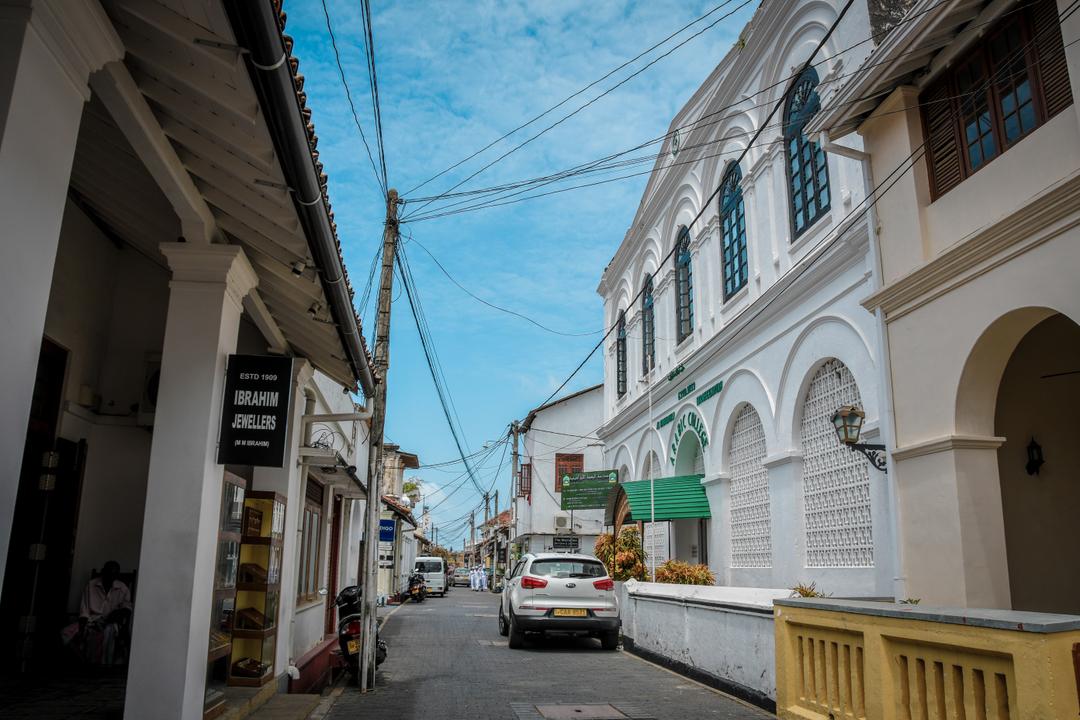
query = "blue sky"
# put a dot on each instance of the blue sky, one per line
(454, 76)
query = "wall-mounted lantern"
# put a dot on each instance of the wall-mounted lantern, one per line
(1034, 457)
(848, 422)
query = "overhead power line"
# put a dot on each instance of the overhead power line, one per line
(492, 305)
(380, 179)
(566, 99)
(610, 90)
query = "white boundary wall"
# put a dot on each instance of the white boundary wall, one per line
(722, 633)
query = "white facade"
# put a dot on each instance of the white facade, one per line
(563, 427)
(753, 385)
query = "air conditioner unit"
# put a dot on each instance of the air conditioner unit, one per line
(562, 523)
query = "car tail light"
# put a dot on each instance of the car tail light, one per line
(353, 628)
(532, 583)
(605, 584)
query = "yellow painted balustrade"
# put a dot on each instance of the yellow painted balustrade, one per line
(882, 661)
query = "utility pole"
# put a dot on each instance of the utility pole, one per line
(495, 539)
(472, 536)
(375, 455)
(487, 518)
(515, 484)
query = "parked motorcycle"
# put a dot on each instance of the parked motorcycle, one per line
(351, 630)
(417, 588)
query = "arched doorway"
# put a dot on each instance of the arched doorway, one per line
(689, 540)
(1037, 401)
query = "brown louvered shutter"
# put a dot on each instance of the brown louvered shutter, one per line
(1053, 72)
(942, 148)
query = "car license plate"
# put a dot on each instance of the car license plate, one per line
(570, 612)
(353, 646)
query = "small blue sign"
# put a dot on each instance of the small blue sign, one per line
(386, 531)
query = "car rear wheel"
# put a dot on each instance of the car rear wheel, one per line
(610, 640)
(504, 628)
(517, 636)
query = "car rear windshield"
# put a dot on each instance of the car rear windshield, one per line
(568, 568)
(426, 566)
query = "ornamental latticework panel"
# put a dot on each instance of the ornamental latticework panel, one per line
(836, 481)
(751, 546)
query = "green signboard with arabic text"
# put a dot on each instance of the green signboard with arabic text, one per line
(588, 490)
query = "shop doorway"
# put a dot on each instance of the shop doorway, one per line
(1039, 466)
(35, 588)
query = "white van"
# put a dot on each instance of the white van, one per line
(434, 570)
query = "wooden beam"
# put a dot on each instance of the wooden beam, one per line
(258, 311)
(125, 102)
(180, 29)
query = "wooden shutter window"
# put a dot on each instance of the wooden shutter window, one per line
(951, 157)
(567, 464)
(1050, 51)
(942, 142)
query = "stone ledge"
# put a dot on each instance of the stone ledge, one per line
(1017, 620)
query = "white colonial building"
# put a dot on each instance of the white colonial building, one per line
(558, 438)
(739, 331)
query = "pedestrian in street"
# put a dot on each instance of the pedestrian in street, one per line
(474, 581)
(483, 579)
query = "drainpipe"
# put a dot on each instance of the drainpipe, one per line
(886, 420)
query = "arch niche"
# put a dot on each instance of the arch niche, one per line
(1022, 382)
(689, 537)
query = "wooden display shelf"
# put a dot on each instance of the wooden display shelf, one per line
(254, 634)
(219, 652)
(258, 587)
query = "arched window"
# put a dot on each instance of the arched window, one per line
(733, 227)
(684, 287)
(836, 481)
(620, 356)
(750, 523)
(648, 328)
(808, 172)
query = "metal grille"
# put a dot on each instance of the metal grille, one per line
(836, 481)
(750, 524)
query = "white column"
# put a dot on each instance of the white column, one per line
(44, 68)
(166, 677)
(288, 480)
(788, 526)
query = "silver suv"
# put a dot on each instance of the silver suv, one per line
(559, 592)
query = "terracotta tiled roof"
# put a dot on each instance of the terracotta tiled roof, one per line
(313, 144)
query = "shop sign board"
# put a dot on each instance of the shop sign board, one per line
(386, 531)
(255, 411)
(566, 542)
(588, 490)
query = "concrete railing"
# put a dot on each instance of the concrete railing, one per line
(722, 636)
(882, 661)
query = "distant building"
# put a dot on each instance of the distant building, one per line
(558, 438)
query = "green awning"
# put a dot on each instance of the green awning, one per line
(674, 497)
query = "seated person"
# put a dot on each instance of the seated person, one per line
(104, 613)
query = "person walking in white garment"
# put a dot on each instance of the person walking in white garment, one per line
(474, 581)
(483, 578)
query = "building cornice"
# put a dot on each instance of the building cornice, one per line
(79, 35)
(947, 443)
(1048, 215)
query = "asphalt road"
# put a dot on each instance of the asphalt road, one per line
(447, 660)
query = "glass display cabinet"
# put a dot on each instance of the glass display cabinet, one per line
(226, 568)
(258, 589)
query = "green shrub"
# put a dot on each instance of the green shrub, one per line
(677, 572)
(625, 557)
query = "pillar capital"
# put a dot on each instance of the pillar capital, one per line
(78, 34)
(193, 263)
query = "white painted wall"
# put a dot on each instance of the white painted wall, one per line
(723, 631)
(578, 415)
(767, 340)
